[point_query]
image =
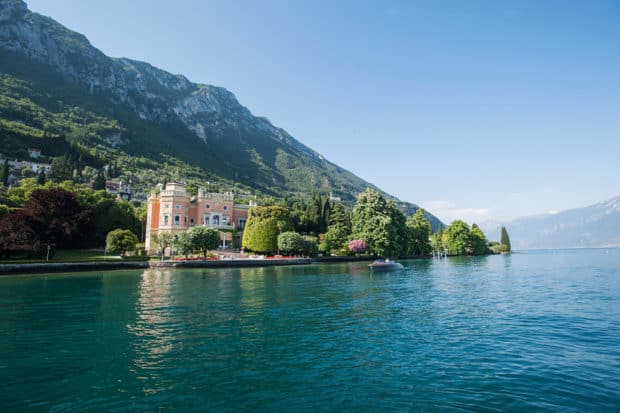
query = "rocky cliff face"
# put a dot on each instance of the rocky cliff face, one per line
(153, 93)
(200, 124)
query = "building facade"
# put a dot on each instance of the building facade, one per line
(172, 209)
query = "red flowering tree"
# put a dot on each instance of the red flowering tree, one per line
(52, 217)
(357, 246)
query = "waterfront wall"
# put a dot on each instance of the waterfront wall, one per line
(47, 267)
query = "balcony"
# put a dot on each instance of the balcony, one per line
(218, 226)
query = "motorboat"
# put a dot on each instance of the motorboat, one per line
(385, 265)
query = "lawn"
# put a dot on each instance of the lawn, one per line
(76, 256)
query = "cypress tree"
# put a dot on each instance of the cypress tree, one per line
(41, 177)
(99, 182)
(4, 173)
(505, 240)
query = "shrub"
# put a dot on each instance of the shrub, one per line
(357, 246)
(121, 241)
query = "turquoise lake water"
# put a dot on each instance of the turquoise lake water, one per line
(534, 331)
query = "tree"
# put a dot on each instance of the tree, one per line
(99, 182)
(51, 216)
(4, 172)
(505, 241)
(291, 242)
(16, 235)
(111, 214)
(204, 239)
(314, 215)
(419, 232)
(61, 169)
(310, 246)
(41, 178)
(121, 241)
(184, 244)
(164, 240)
(399, 222)
(378, 223)
(263, 226)
(495, 247)
(479, 243)
(437, 242)
(457, 238)
(357, 246)
(338, 230)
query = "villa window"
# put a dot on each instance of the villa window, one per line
(241, 223)
(207, 206)
(177, 207)
(166, 219)
(191, 222)
(177, 219)
(205, 220)
(225, 207)
(216, 220)
(185, 220)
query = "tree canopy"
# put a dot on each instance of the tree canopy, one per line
(505, 240)
(204, 239)
(263, 226)
(456, 238)
(291, 242)
(121, 241)
(379, 223)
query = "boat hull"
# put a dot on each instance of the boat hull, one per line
(393, 266)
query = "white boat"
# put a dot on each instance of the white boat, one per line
(385, 265)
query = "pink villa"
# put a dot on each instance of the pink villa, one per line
(172, 209)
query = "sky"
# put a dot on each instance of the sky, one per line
(475, 110)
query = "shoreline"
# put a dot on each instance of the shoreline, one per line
(60, 267)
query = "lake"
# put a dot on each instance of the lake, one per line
(532, 331)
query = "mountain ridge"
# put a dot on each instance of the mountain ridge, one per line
(596, 225)
(144, 111)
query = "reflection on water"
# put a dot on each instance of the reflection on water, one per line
(532, 331)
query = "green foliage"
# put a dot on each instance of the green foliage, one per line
(163, 240)
(495, 247)
(121, 241)
(41, 178)
(110, 214)
(419, 232)
(184, 244)
(50, 217)
(61, 170)
(457, 239)
(310, 246)
(263, 226)
(204, 239)
(338, 231)
(478, 241)
(380, 224)
(39, 107)
(99, 182)
(291, 242)
(505, 240)
(437, 241)
(4, 172)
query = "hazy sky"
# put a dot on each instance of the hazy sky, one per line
(473, 109)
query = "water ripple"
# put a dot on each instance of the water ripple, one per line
(527, 332)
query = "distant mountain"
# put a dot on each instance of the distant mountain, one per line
(593, 226)
(55, 85)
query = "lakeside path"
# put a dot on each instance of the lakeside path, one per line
(51, 267)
